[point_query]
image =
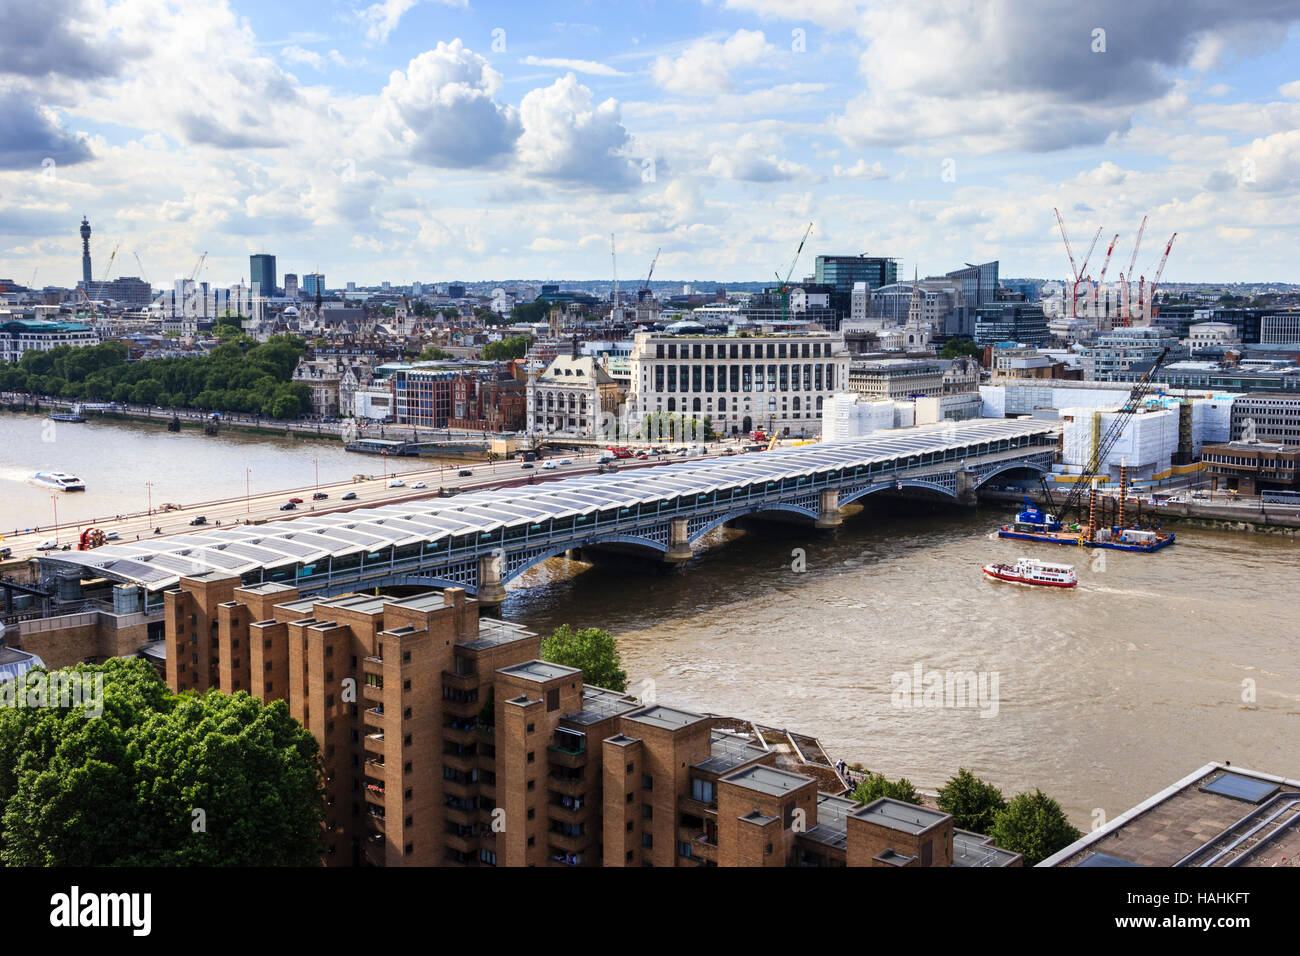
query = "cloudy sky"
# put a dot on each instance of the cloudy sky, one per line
(441, 139)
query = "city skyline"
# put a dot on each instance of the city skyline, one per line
(471, 141)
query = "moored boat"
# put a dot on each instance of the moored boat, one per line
(1029, 571)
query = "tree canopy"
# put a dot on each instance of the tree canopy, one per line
(960, 348)
(1034, 825)
(239, 375)
(433, 353)
(158, 779)
(593, 650)
(873, 786)
(512, 347)
(973, 803)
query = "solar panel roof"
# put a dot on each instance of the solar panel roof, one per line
(1241, 788)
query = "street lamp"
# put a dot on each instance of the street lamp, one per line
(55, 500)
(247, 490)
(316, 462)
(148, 486)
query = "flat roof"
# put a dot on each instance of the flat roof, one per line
(897, 815)
(729, 751)
(494, 633)
(1192, 820)
(976, 850)
(539, 671)
(768, 780)
(599, 703)
(666, 718)
(832, 820)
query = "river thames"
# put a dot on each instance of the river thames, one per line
(1101, 696)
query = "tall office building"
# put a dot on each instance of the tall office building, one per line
(841, 272)
(85, 251)
(313, 283)
(291, 285)
(261, 272)
(979, 287)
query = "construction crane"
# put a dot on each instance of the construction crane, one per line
(784, 284)
(1105, 264)
(1126, 278)
(645, 286)
(1151, 292)
(1074, 269)
(1083, 269)
(1091, 470)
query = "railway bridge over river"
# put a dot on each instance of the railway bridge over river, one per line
(481, 540)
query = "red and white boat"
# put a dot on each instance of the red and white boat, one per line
(1029, 571)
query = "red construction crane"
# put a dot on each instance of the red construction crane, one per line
(1074, 303)
(1151, 293)
(1126, 278)
(1101, 280)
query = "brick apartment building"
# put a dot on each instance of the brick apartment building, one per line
(446, 741)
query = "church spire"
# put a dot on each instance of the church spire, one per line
(915, 307)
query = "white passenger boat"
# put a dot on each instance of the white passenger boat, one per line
(58, 480)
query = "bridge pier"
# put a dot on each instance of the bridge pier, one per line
(830, 516)
(966, 494)
(679, 545)
(491, 592)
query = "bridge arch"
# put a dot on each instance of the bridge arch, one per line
(702, 526)
(1013, 466)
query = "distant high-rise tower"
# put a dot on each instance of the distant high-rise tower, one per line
(261, 270)
(85, 251)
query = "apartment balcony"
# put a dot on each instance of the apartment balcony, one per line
(375, 820)
(564, 756)
(461, 708)
(460, 735)
(465, 818)
(374, 744)
(374, 850)
(373, 790)
(567, 785)
(556, 856)
(465, 843)
(578, 811)
(459, 681)
(375, 767)
(460, 788)
(567, 843)
(464, 761)
(370, 691)
(697, 807)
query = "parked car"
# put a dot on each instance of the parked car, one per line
(549, 466)
(198, 519)
(465, 472)
(319, 496)
(49, 544)
(288, 506)
(349, 496)
(419, 484)
(295, 501)
(397, 483)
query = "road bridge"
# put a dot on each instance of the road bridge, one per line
(481, 540)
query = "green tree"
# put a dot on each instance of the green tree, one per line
(433, 353)
(513, 347)
(960, 348)
(973, 803)
(873, 786)
(127, 787)
(592, 649)
(1034, 825)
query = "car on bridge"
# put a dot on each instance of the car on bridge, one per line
(111, 535)
(397, 483)
(465, 473)
(198, 519)
(349, 496)
(295, 501)
(549, 466)
(319, 496)
(419, 484)
(288, 506)
(49, 544)
(527, 464)
(566, 461)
